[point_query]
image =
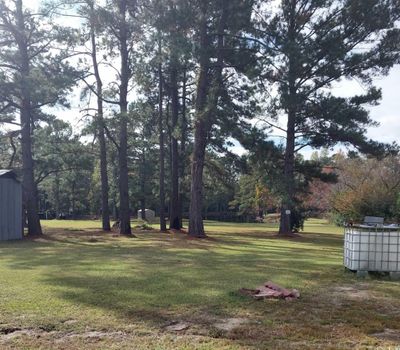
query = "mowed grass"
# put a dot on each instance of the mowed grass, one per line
(79, 288)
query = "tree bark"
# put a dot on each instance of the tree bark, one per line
(196, 226)
(163, 225)
(30, 192)
(105, 211)
(124, 211)
(183, 157)
(285, 226)
(206, 104)
(115, 175)
(125, 225)
(57, 194)
(184, 122)
(143, 186)
(287, 204)
(143, 209)
(175, 219)
(73, 196)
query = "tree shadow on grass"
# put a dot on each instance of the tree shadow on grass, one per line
(182, 271)
(47, 252)
(156, 279)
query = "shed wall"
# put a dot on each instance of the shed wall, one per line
(10, 209)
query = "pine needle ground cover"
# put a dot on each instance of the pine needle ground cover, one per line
(78, 288)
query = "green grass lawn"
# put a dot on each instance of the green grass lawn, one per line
(78, 288)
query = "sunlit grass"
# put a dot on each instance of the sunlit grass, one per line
(105, 282)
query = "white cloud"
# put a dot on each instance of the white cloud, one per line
(387, 113)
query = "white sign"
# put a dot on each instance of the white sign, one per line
(288, 212)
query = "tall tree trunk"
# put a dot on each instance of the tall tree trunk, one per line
(105, 211)
(287, 205)
(115, 177)
(196, 227)
(30, 192)
(206, 105)
(143, 208)
(57, 194)
(175, 219)
(125, 224)
(143, 186)
(174, 213)
(124, 211)
(168, 142)
(28, 182)
(184, 122)
(163, 225)
(73, 200)
(285, 226)
(184, 127)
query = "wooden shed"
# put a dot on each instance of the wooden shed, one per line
(10, 206)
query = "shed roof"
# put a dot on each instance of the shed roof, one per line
(8, 174)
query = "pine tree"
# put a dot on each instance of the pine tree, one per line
(219, 24)
(31, 77)
(307, 45)
(94, 26)
(122, 27)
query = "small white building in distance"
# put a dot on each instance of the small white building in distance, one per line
(150, 215)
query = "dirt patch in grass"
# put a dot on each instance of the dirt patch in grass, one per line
(392, 335)
(69, 322)
(94, 335)
(229, 324)
(13, 333)
(177, 327)
(353, 292)
(7, 334)
(7, 330)
(205, 324)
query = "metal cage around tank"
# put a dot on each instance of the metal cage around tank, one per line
(372, 248)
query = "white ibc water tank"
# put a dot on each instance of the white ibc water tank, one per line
(372, 248)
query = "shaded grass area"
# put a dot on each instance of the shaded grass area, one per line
(77, 280)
